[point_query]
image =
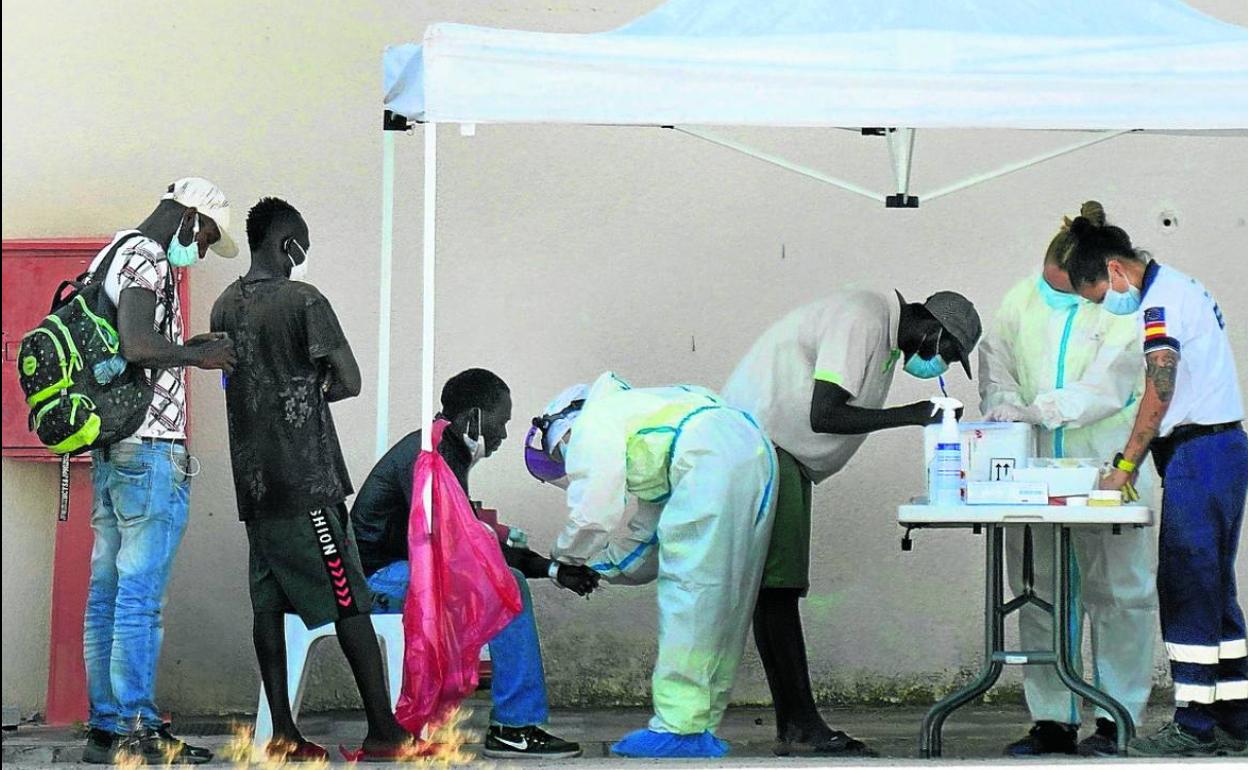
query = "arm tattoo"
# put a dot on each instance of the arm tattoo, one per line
(1162, 370)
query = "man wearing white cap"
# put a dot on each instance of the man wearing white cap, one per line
(141, 483)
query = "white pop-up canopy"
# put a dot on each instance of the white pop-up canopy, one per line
(887, 67)
(1073, 64)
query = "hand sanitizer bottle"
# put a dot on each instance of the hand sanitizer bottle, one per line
(944, 480)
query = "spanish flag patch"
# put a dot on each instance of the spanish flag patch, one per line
(1156, 336)
(1154, 323)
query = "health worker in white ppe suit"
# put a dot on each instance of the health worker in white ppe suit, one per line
(1072, 369)
(703, 475)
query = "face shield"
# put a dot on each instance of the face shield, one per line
(543, 447)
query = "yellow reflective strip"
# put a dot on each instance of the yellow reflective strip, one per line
(824, 375)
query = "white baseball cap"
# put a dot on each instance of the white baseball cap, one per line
(206, 198)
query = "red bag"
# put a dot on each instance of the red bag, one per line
(461, 593)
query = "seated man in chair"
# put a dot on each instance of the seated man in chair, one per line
(478, 405)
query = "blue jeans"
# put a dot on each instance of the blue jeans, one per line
(519, 687)
(138, 516)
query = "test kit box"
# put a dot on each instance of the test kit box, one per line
(1006, 493)
(1062, 482)
(991, 451)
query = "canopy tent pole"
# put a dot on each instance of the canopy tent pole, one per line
(383, 304)
(1019, 166)
(776, 160)
(901, 150)
(427, 304)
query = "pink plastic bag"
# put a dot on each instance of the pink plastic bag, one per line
(461, 593)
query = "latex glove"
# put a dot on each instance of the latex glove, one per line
(1115, 478)
(517, 538)
(1014, 413)
(581, 580)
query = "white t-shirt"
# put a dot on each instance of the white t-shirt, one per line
(141, 263)
(848, 339)
(1179, 314)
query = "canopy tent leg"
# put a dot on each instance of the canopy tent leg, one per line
(901, 150)
(1019, 166)
(776, 160)
(383, 304)
(427, 305)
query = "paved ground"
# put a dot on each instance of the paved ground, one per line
(974, 735)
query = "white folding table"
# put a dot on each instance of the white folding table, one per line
(992, 520)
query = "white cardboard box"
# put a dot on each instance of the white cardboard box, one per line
(991, 451)
(1006, 493)
(1062, 482)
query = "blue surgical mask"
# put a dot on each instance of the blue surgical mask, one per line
(1122, 302)
(184, 256)
(926, 368)
(1057, 300)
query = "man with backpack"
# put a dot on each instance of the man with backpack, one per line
(141, 483)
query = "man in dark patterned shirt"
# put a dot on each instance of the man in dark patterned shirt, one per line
(289, 475)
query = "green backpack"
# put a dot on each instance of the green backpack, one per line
(82, 394)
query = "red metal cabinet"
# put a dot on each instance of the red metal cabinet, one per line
(32, 269)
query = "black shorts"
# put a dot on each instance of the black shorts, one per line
(788, 557)
(308, 565)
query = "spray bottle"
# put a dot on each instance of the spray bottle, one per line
(944, 477)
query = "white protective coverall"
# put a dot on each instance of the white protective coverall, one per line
(1078, 374)
(704, 476)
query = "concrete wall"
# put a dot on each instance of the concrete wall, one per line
(563, 252)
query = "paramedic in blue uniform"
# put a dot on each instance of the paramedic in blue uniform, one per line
(1191, 418)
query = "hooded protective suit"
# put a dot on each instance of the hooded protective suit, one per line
(1075, 371)
(703, 474)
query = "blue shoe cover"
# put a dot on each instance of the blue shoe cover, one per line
(648, 743)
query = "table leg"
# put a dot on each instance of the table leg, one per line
(1062, 641)
(994, 641)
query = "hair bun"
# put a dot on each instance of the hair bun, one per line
(1094, 212)
(1081, 227)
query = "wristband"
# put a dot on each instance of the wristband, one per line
(1123, 464)
(552, 571)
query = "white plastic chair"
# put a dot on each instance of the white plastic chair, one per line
(299, 643)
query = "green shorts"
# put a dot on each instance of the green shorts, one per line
(788, 557)
(308, 565)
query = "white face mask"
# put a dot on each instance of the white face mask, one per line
(476, 446)
(298, 270)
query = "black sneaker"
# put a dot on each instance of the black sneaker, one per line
(1103, 742)
(1230, 745)
(1045, 738)
(1173, 741)
(527, 743)
(159, 747)
(187, 754)
(101, 747)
